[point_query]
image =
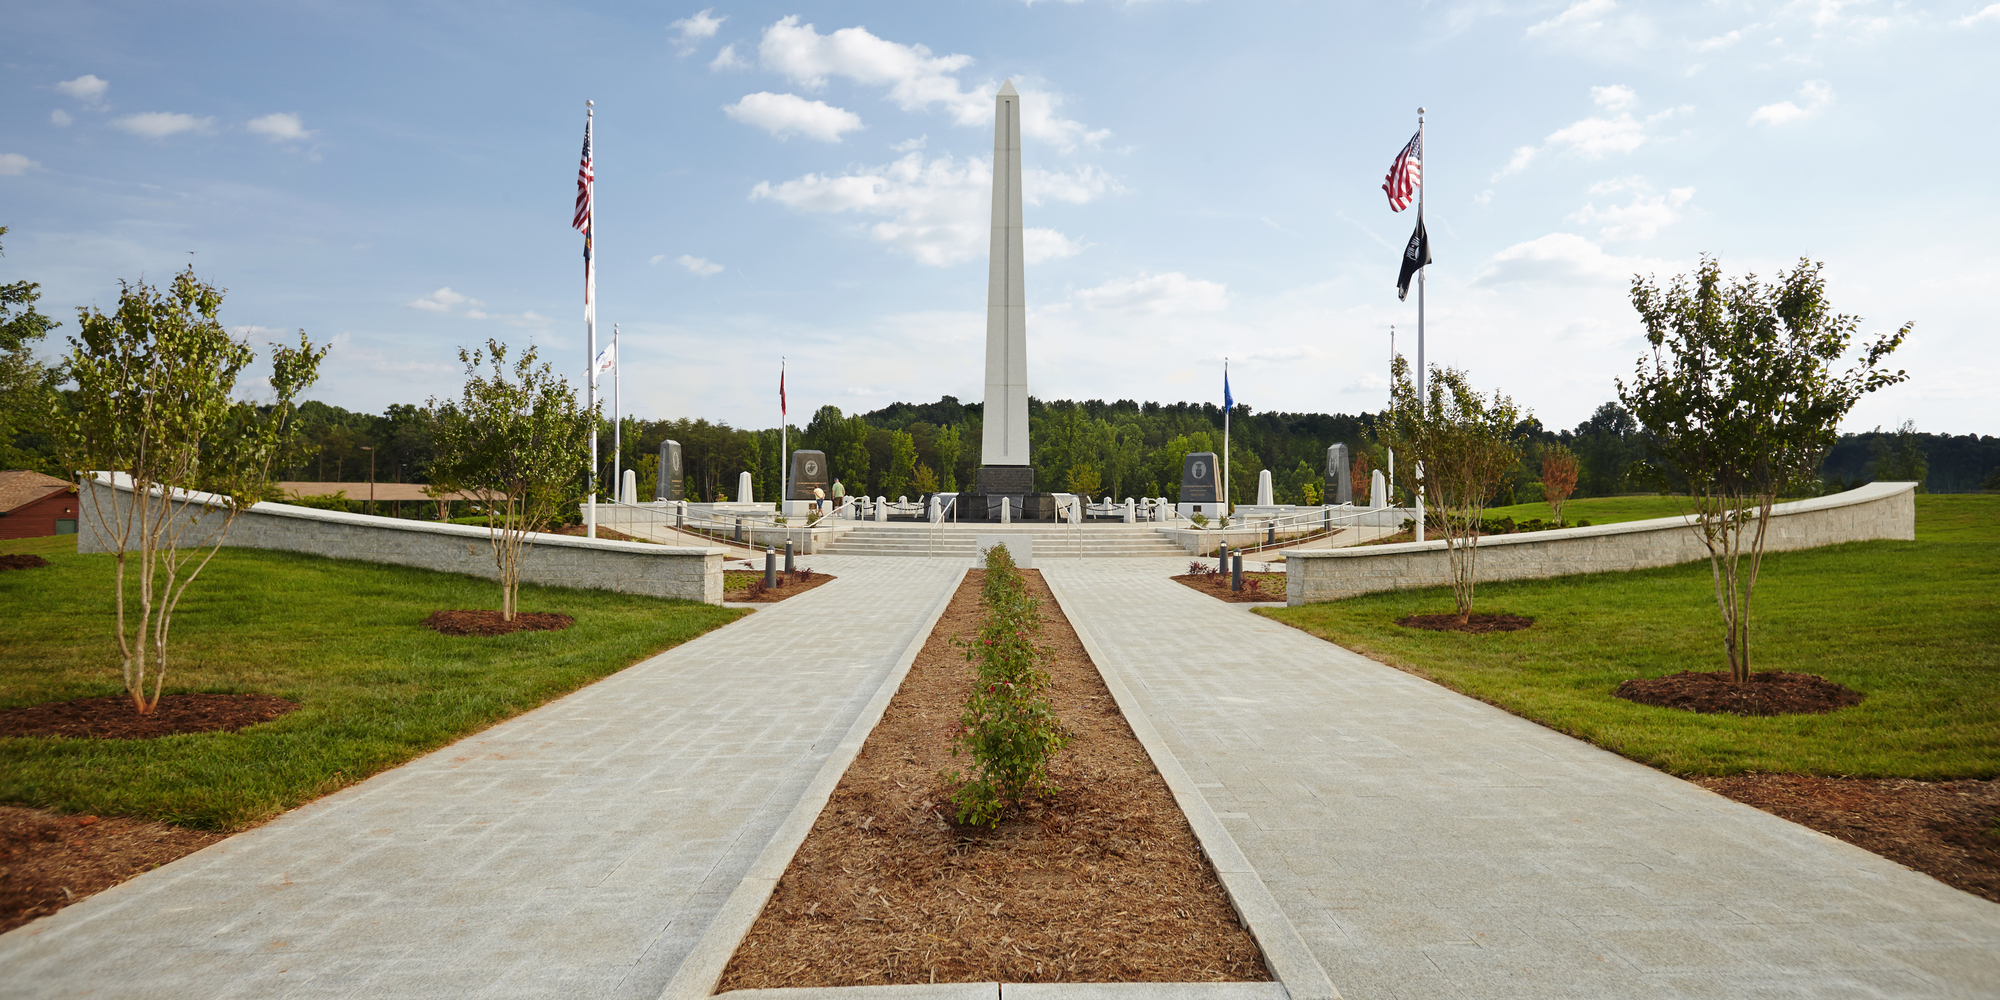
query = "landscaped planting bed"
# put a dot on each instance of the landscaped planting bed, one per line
(1102, 881)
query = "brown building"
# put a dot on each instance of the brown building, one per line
(33, 505)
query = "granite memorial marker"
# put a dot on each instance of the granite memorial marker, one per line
(1339, 476)
(667, 484)
(808, 474)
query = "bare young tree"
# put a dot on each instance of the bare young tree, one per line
(1559, 471)
(1740, 404)
(1462, 444)
(520, 446)
(154, 409)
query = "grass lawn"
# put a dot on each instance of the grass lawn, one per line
(343, 639)
(1596, 510)
(1915, 626)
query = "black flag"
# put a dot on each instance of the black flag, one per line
(1416, 255)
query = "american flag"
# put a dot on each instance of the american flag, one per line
(1406, 175)
(585, 179)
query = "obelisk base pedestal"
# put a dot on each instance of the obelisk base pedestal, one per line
(1014, 482)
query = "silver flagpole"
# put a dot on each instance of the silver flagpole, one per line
(784, 442)
(617, 441)
(1422, 184)
(590, 317)
(1225, 443)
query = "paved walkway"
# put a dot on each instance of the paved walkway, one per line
(578, 850)
(1428, 845)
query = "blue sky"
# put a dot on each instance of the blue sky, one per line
(1204, 181)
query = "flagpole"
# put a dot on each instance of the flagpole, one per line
(1225, 439)
(784, 442)
(1422, 186)
(590, 321)
(617, 442)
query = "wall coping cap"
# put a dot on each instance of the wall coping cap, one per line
(123, 482)
(1854, 497)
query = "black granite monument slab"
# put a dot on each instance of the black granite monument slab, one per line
(667, 483)
(1339, 476)
(1011, 480)
(809, 473)
(1198, 478)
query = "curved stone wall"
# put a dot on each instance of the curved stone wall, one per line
(1878, 510)
(687, 572)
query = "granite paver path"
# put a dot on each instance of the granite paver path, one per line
(577, 850)
(1428, 845)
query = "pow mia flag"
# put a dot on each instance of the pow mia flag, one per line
(1415, 256)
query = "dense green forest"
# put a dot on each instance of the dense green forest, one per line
(1114, 449)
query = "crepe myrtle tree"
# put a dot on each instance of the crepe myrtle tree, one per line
(518, 445)
(1559, 472)
(1740, 403)
(1462, 445)
(155, 407)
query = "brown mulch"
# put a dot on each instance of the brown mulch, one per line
(603, 533)
(48, 861)
(789, 584)
(1771, 692)
(1101, 882)
(490, 622)
(1478, 624)
(23, 560)
(114, 718)
(1258, 588)
(1945, 829)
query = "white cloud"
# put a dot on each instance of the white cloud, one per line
(1616, 97)
(441, 301)
(783, 114)
(1595, 26)
(529, 318)
(86, 88)
(1167, 294)
(280, 126)
(1594, 137)
(1047, 244)
(12, 164)
(697, 265)
(1639, 220)
(1561, 258)
(61, 118)
(1990, 12)
(916, 79)
(160, 124)
(1523, 156)
(1817, 95)
(696, 30)
(1723, 41)
(938, 211)
(727, 59)
(911, 145)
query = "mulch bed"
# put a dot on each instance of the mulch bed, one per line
(1772, 692)
(1478, 624)
(22, 560)
(490, 622)
(789, 584)
(48, 861)
(114, 718)
(1945, 829)
(1258, 588)
(603, 533)
(1101, 882)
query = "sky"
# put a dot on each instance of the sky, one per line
(1204, 181)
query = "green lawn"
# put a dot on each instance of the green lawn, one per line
(342, 638)
(1915, 626)
(1596, 510)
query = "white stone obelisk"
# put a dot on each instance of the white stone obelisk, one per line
(1005, 441)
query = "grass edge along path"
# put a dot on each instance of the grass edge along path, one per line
(343, 638)
(1915, 626)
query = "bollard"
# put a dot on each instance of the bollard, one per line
(789, 568)
(739, 529)
(1236, 573)
(1222, 559)
(1270, 534)
(770, 568)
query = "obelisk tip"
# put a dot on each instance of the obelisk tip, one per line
(1007, 90)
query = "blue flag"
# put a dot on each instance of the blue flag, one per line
(1227, 402)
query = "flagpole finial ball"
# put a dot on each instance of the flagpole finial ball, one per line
(590, 104)
(1420, 111)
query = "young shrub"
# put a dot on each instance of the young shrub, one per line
(1007, 727)
(155, 382)
(1559, 471)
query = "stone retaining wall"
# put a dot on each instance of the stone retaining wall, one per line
(1875, 511)
(686, 572)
